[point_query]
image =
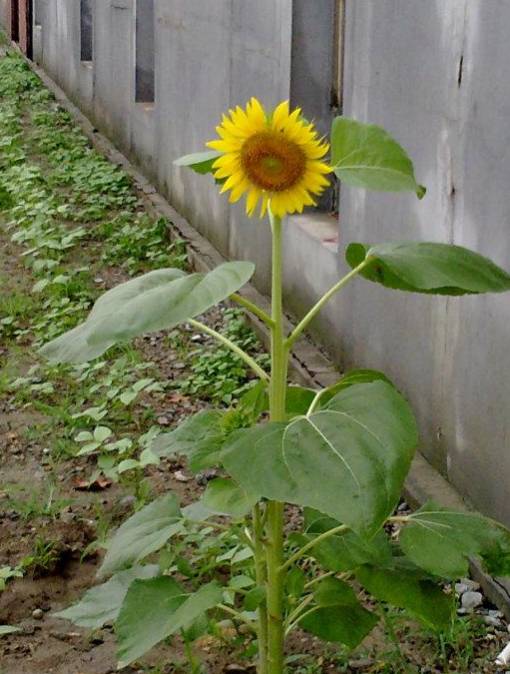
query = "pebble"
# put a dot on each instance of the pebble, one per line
(163, 421)
(37, 614)
(203, 478)
(470, 600)
(362, 664)
(472, 585)
(460, 588)
(181, 477)
(491, 620)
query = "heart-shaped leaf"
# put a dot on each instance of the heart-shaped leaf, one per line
(441, 541)
(432, 268)
(365, 155)
(155, 609)
(348, 460)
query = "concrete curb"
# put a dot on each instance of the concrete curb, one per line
(309, 365)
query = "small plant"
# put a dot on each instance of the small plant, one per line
(340, 454)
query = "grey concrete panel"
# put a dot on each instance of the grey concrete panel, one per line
(260, 66)
(193, 60)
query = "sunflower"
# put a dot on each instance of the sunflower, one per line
(274, 159)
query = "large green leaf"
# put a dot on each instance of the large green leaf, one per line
(102, 603)
(155, 609)
(200, 162)
(144, 532)
(73, 347)
(408, 590)
(441, 541)
(349, 379)
(432, 268)
(338, 615)
(348, 460)
(156, 301)
(344, 552)
(365, 155)
(199, 438)
(225, 497)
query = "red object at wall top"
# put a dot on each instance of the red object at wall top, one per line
(19, 16)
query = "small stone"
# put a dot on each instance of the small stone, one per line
(494, 613)
(163, 421)
(360, 665)
(206, 476)
(181, 477)
(403, 506)
(460, 588)
(471, 584)
(37, 614)
(471, 600)
(490, 620)
(179, 366)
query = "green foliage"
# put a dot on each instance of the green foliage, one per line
(364, 439)
(157, 608)
(218, 374)
(102, 603)
(145, 532)
(365, 155)
(437, 268)
(343, 453)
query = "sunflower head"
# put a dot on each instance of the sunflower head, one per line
(276, 158)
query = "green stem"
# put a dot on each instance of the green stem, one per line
(296, 613)
(275, 517)
(261, 577)
(236, 614)
(233, 347)
(341, 529)
(253, 308)
(323, 300)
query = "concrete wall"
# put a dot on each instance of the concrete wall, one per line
(434, 74)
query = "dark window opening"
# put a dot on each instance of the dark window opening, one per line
(86, 30)
(316, 68)
(144, 38)
(15, 20)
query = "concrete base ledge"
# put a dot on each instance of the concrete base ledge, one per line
(310, 366)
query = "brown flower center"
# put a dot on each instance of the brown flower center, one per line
(272, 162)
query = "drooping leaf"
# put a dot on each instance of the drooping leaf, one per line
(431, 268)
(225, 497)
(8, 629)
(408, 590)
(154, 610)
(441, 541)
(346, 624)
(348, 461)
(365, 155)
(144, 532)
(199, 438)
(73, 346)
(102, 603)
(156, 301)
(200, 162)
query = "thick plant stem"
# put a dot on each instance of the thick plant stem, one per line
(277, 393)
(261, 576)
